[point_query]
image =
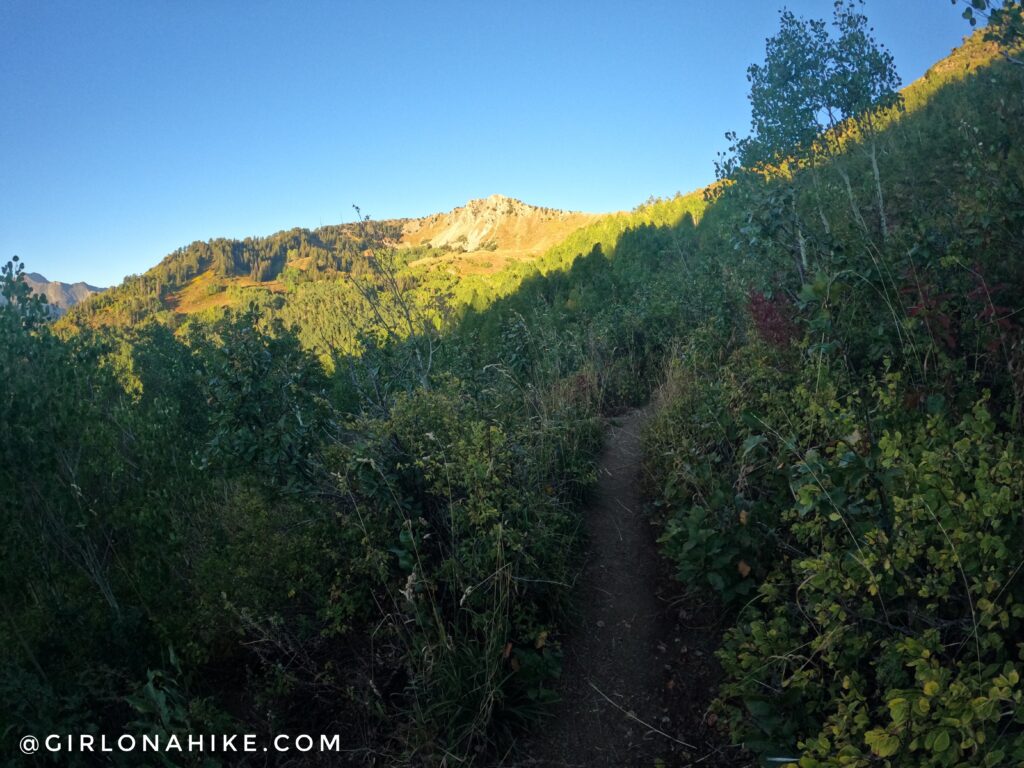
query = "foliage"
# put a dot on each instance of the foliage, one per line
(235, 535)
(813, 81)
(1005, 23)
(841, 463)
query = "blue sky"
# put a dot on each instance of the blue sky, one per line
(131, 128)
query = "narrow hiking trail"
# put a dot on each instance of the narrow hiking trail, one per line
(608, 661)
(634, 680)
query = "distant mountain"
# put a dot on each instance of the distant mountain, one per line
(487, 234)
(494, 223)
(481, 238)
(60, 296)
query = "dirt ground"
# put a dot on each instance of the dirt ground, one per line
(639, 669)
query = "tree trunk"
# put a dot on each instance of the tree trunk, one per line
(882, 221)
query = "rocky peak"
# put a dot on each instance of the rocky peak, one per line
(487, 223)
(60, 296)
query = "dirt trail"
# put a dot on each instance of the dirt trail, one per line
(612, 665)
(637, 674)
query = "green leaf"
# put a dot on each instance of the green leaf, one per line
(882, 743)
(899, 710)
(752, 442)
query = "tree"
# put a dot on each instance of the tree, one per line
(816, 86)
(23, 308)
(788, 93)
(814, 80)
(863, 76)
(265, 399)
(863, 82)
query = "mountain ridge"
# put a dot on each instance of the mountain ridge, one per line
(482, 237)
(481, 221)
(59, 295)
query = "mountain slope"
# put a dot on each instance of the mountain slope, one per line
(486, 235)
(482, 237)
(60, 296)
(836, 451)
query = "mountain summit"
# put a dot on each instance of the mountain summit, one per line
(487, 234)
(494, 223)
(60, 296)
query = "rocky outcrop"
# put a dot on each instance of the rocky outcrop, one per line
(495, 223)
(60, 296)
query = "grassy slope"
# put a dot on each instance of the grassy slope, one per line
(838, 458)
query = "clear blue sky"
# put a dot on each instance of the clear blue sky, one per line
(131, 128)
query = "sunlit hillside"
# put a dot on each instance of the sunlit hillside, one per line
(485, 236)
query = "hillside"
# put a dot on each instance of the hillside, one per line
(467, 257)
(483, 237)
(488, 234)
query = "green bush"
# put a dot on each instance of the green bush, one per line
(896, 630)
(840, 460)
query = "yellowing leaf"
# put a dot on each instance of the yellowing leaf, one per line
(882, 744)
